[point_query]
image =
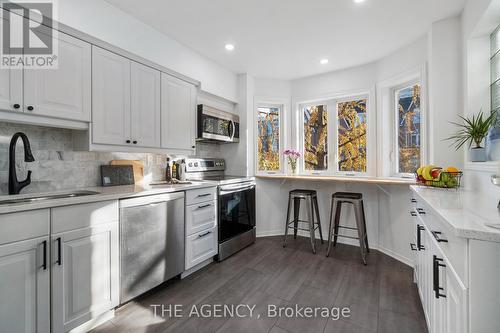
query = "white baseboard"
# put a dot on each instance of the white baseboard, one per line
(346, 241)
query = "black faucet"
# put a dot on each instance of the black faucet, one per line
(16, 186)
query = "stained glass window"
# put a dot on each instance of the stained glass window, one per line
(268, 138)
(408, 108)
(316, 137)
(352, 135)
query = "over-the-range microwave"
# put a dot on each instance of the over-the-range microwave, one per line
(217, 125)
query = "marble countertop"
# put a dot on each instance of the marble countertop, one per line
(349, 179)
(104, 193)
(467, 212)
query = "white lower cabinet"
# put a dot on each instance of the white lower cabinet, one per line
(85, 266)
(200, 247)
(201, 227)
(443, 294)
(25, 287)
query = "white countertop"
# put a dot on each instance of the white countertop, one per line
(467, 212)
(105, 193)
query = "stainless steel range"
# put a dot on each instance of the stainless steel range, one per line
(236, 204)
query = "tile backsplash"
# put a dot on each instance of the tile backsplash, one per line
(57, 166)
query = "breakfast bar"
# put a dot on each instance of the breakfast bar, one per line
(345, 179)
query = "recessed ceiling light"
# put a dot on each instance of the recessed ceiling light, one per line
(323, 61)
(358, 1)
(229, 47)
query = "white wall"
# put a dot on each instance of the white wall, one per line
(445, 89)
(104, 21)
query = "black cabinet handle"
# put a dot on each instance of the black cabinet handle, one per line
(413, 247)
(134, 142)
(203, 195)
(421, 211)
(193, 147)
(420, 247)
(413, 213)
(205, 234)
(436, 235)
(59, 251)
(436, 264)
(30, 108)
(128, 141)
(16, 106)
(413, 200)
(44, 265)
(204, 206)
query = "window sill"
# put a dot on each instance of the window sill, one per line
(347, 179)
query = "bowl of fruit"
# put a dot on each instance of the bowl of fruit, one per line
(431, 175)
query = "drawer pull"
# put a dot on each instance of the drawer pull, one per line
(413, 247)
(436, 235)
(413, 213)
(413, 200)
(203, 195)
(205, 234)
(204, 206)
(421, 211)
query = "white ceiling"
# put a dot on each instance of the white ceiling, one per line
(286, 39)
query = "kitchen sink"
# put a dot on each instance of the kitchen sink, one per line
(47, 197)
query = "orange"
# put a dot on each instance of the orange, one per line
(451, 169)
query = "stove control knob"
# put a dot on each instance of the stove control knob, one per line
(190, 164)
(196, 164)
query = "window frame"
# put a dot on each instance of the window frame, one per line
(331, 101)
(282, 105)
(395, 140)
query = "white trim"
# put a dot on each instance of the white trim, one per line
(331, 100)
(386, 108)
(284, 105)
(490, 166)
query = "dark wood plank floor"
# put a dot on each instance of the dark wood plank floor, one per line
(381, 296)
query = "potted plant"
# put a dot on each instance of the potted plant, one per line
(292, 157)
(473, 130)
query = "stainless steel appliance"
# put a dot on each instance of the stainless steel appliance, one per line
(236, 204)
(217, 125)
(151, 242)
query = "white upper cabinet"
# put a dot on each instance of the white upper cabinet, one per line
(178, 108)
(145, 105)
(110, 98)
(11, 90)
(64, 92)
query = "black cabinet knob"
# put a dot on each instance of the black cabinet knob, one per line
(16, 106)
(30, 108)
(193, 147)
(128, 141)
(135, 142)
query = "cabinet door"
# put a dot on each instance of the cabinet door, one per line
(11, 90)
(200, 247)
(24, 287)
(178, 107)
(85, 276)
(456, 304)
(110, 98)
(64, 92)
(145, 105)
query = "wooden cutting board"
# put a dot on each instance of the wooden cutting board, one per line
(138, 167)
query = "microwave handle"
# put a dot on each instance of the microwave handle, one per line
(232, 129)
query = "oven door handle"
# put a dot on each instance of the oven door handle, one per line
(233, 130)
(229, 190)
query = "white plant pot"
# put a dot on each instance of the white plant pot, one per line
(477, 155)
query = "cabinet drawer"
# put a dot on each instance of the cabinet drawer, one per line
(24, 225)
(194, 197)
(200, 217)
(73, 217)
(200, 247)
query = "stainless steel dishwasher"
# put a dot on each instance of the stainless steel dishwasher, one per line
(151, 242)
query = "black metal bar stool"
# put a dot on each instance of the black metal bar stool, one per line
(356, 199)
(295, 197)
